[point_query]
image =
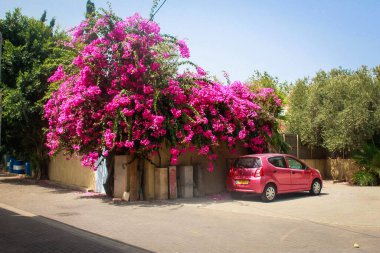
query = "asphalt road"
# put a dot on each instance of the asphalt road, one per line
(53, 217)
(23, 233)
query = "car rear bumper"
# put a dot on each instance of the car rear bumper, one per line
(255, 185)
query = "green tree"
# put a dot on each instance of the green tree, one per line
(265, 80)
(90, 9)
(30, 56)
(301, 114)
(43, 17)
(337, 110)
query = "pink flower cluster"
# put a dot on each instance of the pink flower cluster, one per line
(123, 92)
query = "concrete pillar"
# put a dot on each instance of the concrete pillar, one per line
(186, 181)
(172, 182)
(125, 177)
(148, 180)
(120, 176)
(133, 181)
(198, 181)
(161, 183)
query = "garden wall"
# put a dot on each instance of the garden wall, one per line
(71, 172)
(322, 165)
(336, 169)
(213, 182)
(343, 169)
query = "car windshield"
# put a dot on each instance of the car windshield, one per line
(249, 162)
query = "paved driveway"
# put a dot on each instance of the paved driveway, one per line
(332, 222)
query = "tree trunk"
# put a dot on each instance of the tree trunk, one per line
(43, 168)
(109, 184)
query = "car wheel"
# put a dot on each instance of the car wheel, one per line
(316, 187)
(269, 193)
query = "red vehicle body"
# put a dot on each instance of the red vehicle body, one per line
(272, 174)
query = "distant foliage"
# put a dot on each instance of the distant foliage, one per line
(30, 56)
(124, 92)
(338, 110)
(265, 80)
(365, 178)
(369, 158)
(90, 9)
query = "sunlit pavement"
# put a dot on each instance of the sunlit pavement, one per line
(333, 222)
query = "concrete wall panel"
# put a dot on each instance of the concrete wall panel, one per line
(71, 172)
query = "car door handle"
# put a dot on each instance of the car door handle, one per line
(293, 172)
(275, 171)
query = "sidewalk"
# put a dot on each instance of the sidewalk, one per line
(332, 222)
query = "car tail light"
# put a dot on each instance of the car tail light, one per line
(259, 172)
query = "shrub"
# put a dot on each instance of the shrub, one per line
(365, 178)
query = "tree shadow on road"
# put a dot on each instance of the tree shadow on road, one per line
(31, 233)
(174, 203)
(21, 180)
(196, 201)
(223, 197)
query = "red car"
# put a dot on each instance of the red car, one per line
(272, 174)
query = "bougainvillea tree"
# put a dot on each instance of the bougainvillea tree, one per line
(125, 92)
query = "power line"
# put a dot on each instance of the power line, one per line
(151, 18)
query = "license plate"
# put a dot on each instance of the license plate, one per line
(241, 181)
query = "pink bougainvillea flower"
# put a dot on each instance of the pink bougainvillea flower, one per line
(155, 66)
(176, 113)
(210, 167)
(204, 150)
(201, 71)
(58, 75)
(129, 144)
(126, 92)
(184, 50)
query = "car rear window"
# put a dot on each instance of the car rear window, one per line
(277, 161)
(249, 162)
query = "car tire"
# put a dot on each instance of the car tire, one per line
(316, 187)
(269, 193)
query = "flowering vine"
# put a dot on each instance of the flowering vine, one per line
(124, 92)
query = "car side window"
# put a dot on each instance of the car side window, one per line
(294, 164)
(277, 161)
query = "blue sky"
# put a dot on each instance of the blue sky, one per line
(288, 38)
